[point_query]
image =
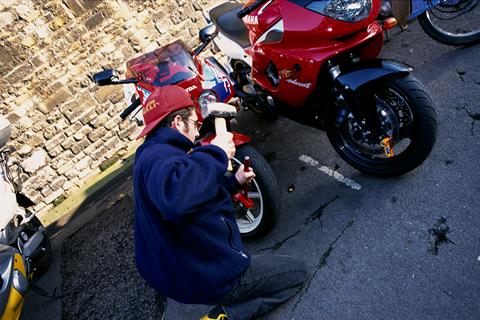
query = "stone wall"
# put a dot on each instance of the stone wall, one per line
(64, 126)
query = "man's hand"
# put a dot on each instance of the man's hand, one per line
(225, 142)
(244, 177)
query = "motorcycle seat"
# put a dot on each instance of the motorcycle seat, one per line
(225, 19)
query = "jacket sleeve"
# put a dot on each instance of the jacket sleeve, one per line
(182, 186)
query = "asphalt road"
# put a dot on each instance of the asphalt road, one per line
(371, 251)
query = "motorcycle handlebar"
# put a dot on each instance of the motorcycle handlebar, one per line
(242, 13)
(130, 109)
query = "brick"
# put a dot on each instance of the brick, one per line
(85, 173)
(55, 151)
(33, 139)
(45, 176)
(75, 6)
(6, 18)
(86, 130)
(99, 153)
(108, 135)
(113, 143)
(37, 160)
(7, 61)
(62, 159)
(97, 134)
(88, 116)
(69, 184)
(68, 143)
(75, 112)
(55, 141)
(46, 191)
(84, 163)
(93, 147)
(94, 21)
(58, 98)
(79, 156)
(65, 168)
(74, 128)
(91, 4)
(54, 195)
(126, 133)
(100, 121)
(72, 173)
(104, 93)
(58, 183)
(80, 145)
(20, 73)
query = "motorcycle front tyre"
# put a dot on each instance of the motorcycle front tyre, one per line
(422, 130)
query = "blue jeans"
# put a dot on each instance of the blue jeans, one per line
(269, 281)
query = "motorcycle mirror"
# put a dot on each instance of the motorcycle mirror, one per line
(208, 33)
(106, 77)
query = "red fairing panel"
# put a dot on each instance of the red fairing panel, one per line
(308, 41)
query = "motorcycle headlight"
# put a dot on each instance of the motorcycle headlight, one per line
(204, 99)
(343, 10)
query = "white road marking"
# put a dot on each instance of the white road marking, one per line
(328, 171)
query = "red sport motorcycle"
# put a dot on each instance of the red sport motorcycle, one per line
(316, 62)
(258, 205)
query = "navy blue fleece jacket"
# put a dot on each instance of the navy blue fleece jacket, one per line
(187, 243)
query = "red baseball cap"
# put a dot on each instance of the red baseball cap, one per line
(162, 102)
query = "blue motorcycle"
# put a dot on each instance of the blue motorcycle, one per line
(451, 22)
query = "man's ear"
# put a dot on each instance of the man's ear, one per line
(177, 123)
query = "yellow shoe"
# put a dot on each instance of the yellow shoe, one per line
(216, 313)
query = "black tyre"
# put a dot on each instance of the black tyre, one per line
(264, 192)
(43, 260)
(453, 24)
(407, 116)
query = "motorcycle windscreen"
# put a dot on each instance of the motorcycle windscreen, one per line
(164, 66)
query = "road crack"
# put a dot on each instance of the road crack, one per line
(475, 116)
(280, 243)
(321, 262)
(317, 214)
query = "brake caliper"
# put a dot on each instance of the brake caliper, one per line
(387, 145)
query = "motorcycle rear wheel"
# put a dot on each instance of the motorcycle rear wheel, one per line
(455, 25)
(263, 190)
(407, 115)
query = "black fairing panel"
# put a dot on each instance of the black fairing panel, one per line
(360, 73)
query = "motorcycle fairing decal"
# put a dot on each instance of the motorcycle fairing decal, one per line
(251, 20)
(217, 81)
(143, 93)
(305, 85)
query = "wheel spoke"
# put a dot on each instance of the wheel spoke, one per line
(254, 195)
(249, 216)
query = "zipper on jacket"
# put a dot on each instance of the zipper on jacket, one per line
(230, 239)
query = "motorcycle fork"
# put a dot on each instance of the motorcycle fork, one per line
(361, 103)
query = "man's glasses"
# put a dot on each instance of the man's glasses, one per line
(196, 123)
